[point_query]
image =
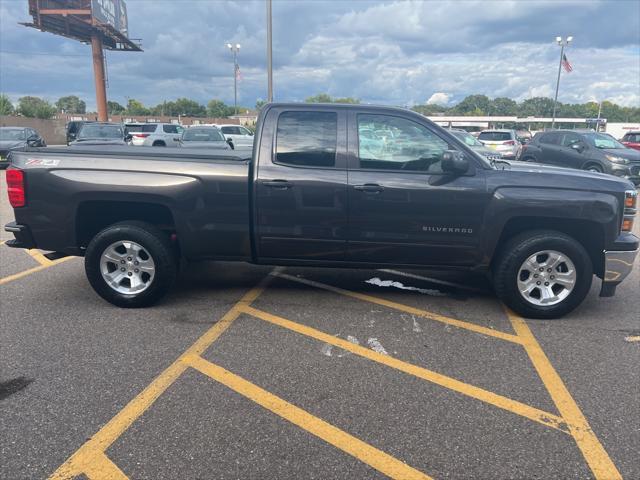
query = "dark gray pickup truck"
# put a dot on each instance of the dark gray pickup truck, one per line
(328, 185)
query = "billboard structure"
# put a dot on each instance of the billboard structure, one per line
(103, 23)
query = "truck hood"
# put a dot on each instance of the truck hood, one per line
(570, 173)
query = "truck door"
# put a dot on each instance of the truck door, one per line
(301, 185)
(402, 208)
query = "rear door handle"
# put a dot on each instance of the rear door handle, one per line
(369, 188)
(278, 184)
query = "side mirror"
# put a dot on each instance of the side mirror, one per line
(32, 140)
(230, 142)
(250, 133)
(454, 161)
(128, 137)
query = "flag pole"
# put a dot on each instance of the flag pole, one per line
(555, 100)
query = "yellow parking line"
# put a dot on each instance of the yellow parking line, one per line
(545, 418)
(101, 467)
(96, 445)
(39, 257)
(594, 453)
(340, 439)
(24, 273)
(407, 309)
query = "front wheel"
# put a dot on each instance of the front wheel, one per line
(130, 264)
(543, 274)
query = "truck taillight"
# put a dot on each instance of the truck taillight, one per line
(141, 135)
(510, 142)
(15, 187)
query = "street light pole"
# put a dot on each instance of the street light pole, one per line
(269, 53)
(562, 44)
(235, 49)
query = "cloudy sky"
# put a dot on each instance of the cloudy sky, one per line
(390, 52)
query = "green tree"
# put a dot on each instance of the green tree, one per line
(114, 108)
(35, 107)
(134, 107)
(503, 106)
(6, 107)
(260, 103)
(218, 109)
(71, 104)
(326, 98)
(536, 107)
(473, 105)
(430, 109)
(190, 108)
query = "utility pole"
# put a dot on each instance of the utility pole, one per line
(269, 55)
(235, 49)
(562, 44)
(98, 71)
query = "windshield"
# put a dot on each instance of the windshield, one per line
(202, 135)
(468, 139)
(12, 134)
(146, 128)
(95, 131)
(600, 140)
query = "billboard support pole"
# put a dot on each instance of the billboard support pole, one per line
(269, 55)
(98, 72)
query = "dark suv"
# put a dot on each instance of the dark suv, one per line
(592, 151)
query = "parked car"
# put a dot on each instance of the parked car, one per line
(100, 133)
(595, 152)
(477, 146)
(72, 129)
(311, 196)
(154, 134)
(631, 140)
(17, 138)
(239, 135)
(504, 141)
(205, 137)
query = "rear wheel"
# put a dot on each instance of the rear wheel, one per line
(130, 264)
(159, 143)
(543, 274)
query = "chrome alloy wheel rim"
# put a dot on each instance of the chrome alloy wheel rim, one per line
(127, 267)
(546, 278)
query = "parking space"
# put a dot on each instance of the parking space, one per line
(255, 372)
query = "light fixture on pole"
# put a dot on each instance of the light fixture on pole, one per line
(235, 48)
(563, 43)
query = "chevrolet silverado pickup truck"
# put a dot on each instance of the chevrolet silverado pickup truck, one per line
(353, 186)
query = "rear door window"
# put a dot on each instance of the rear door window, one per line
(307, 139)
(495, 136)
(170, 129)
(141, 128)
(551, 138)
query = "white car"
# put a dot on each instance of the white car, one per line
(503, 141)
(153, 134)
(239, 135)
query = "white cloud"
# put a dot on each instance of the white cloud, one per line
(438, 98)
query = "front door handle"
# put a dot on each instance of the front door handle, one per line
(278, 184)
(369, 188)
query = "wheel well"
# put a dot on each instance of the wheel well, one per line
(594, 164)
(589, 234)
(95, 216)
(159, 143)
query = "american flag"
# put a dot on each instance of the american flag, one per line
(238, 74)
(565, 64)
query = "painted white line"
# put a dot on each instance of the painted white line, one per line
(392, 283)
(433, 280)
(376, 346)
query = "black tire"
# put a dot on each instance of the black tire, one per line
(594, 167)
(529, 159)
(159, 144)
(159, 248)
(520, 248)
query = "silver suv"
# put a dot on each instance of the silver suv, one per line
(153, 134)
(503, 141)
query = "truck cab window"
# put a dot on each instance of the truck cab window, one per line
(393, 143)
(307, 139)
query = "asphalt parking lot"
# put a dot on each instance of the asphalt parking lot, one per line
(256, 372)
